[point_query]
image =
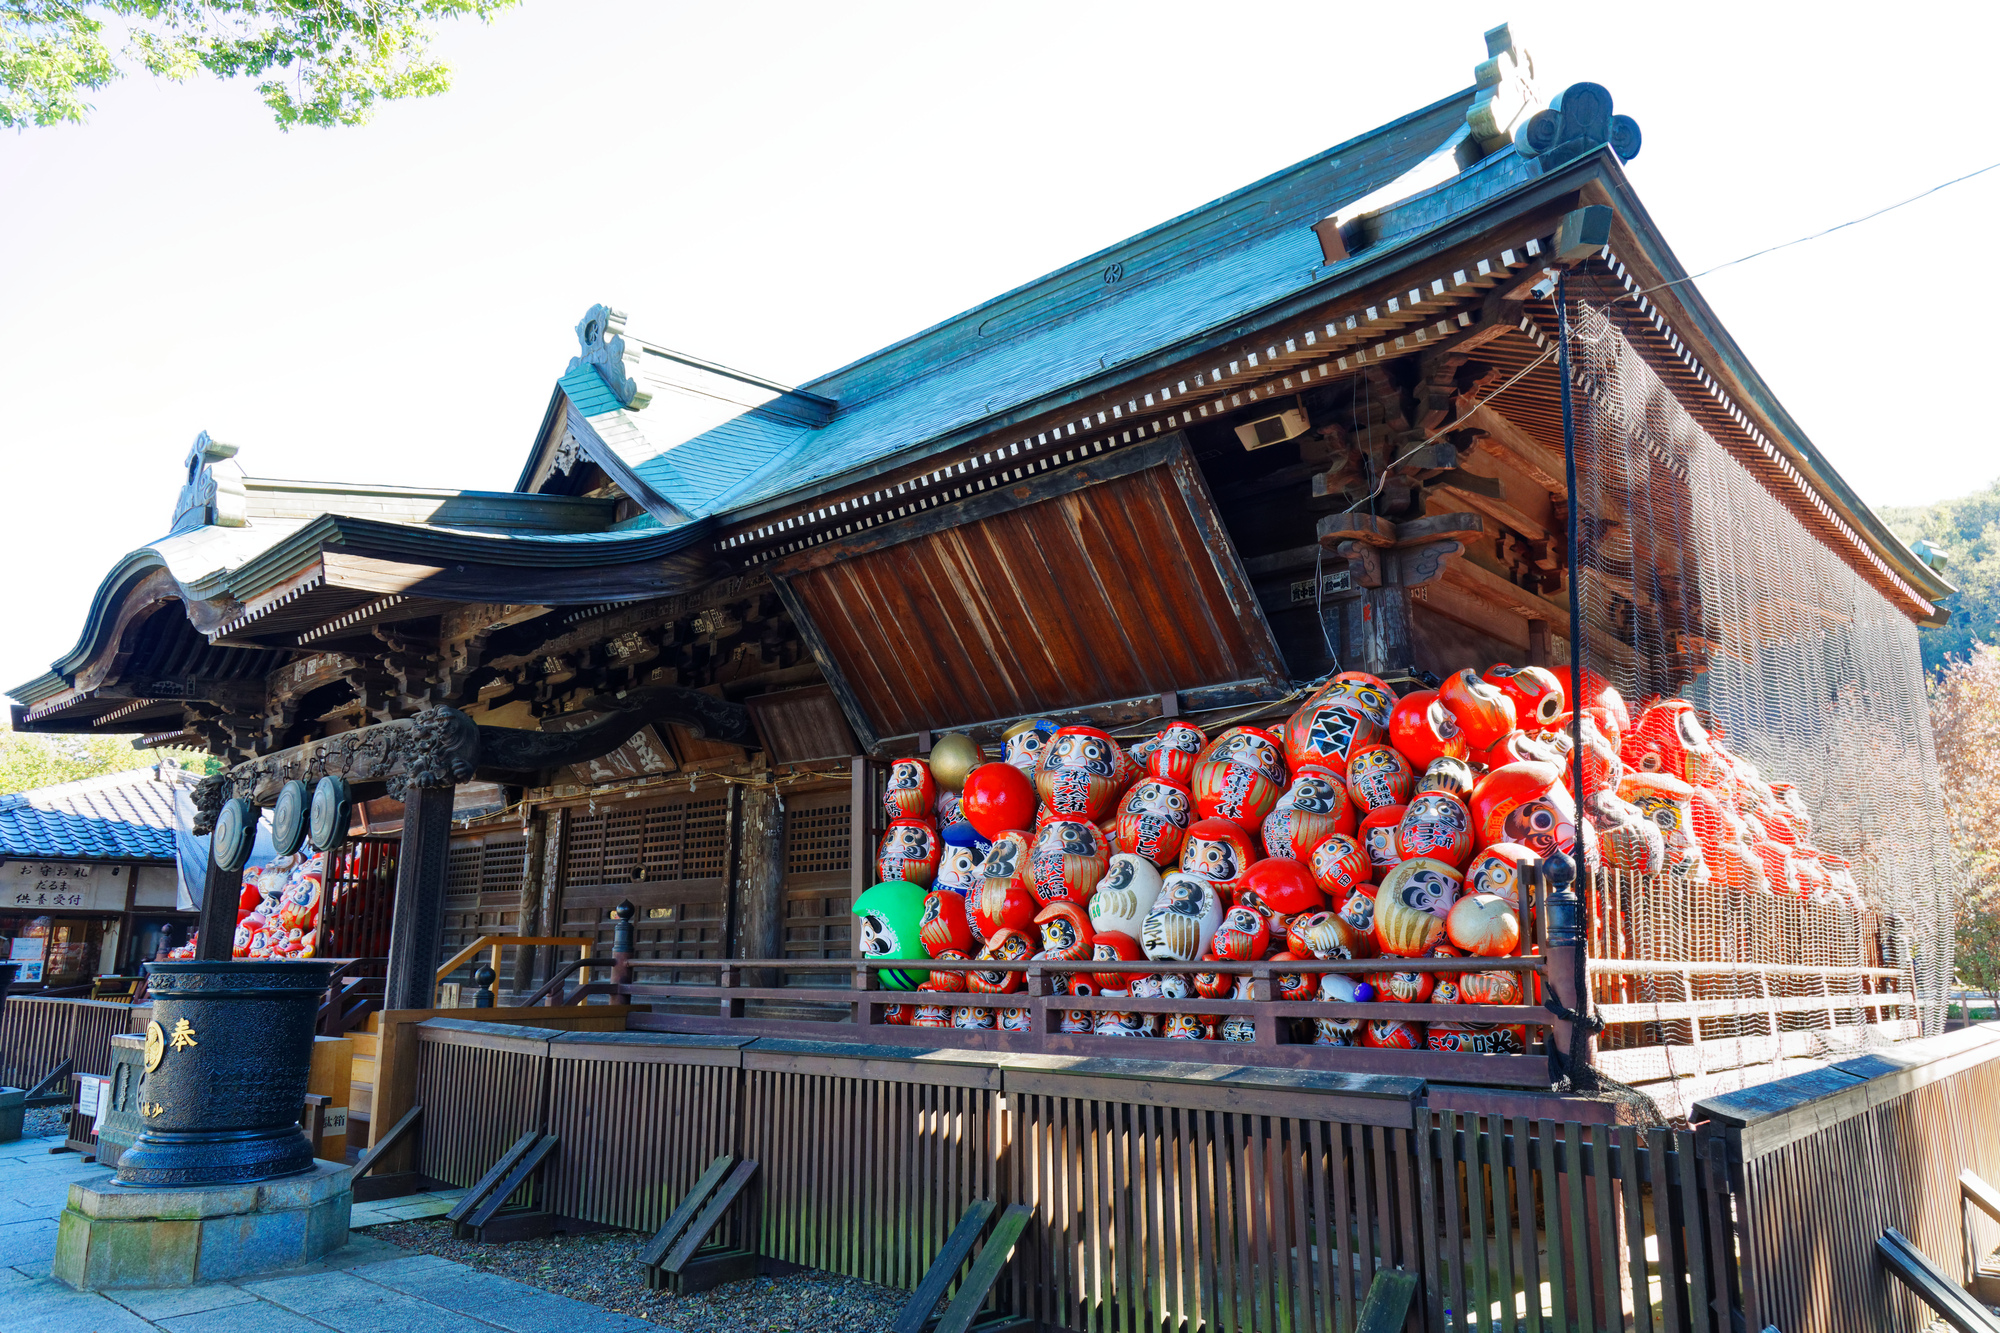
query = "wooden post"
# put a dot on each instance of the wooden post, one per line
(860, 840)
(621, 943)
(1565, 951)
(416, 923)
(760, 882)
(548, 912)
(217, 923)
(1538, 643)
(527, 916)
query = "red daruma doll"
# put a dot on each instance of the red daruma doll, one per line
(1078, 774)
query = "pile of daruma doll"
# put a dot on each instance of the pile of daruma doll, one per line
(1368, 826)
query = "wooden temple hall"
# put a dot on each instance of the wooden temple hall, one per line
(1316, 426)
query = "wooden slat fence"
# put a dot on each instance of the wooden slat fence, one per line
(1166, 1196)
(1822, 1163)
(38, 1033)
(866, 1162)
(1547, 1225)
(481, 1086)
(638, 1117)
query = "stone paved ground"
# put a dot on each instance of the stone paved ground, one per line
(368, 1287)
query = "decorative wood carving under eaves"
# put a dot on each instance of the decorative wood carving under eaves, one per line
(440, 747)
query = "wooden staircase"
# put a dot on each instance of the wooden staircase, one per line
(361, 1094)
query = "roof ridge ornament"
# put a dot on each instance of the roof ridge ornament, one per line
(601, 333)
(214, 495)
(1578, 121)
(1506, 95)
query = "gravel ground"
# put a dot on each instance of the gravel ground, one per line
(41, 1120)
(600, 1268)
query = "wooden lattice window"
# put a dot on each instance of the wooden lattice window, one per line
(818, 888)
(667, 858)
(483, 877)
(462, 870)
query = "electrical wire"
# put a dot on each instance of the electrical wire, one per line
(1772, 249)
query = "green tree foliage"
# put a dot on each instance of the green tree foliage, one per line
(1969, 530)
(317, 62)
(28, 761)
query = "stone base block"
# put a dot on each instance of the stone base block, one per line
(13, 1109)
(113, 1236)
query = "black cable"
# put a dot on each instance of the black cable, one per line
(1579, 1032)
(1770, 249)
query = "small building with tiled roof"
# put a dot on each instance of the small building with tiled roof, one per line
(88, 878)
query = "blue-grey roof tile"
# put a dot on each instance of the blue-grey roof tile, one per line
(1182, 279)
(119, 816)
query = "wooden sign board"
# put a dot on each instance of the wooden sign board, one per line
(63, 886)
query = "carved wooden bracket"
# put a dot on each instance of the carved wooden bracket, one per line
(440, 747)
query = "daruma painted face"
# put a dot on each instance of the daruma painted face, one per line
(1435, 825)
(1172, 754)
(1525, 804)
(1500, 870)
(909, 851)
(1378, 775)
(910, 792)
(1183, 922)
(1427, 885)
(1077, 775)
(1378, 838)
(1339, 863)
(1127, 892)
(1668, 802)
(1025, 742)
(1069, 858)
(1313, 808)
(1153, 818)
(1218, 851)
(1234, 779)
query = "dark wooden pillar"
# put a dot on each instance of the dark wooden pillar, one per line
(416, 928)
(217, 922)
(548, 911)
(1385, 561)
(760, 881)
(527, 916)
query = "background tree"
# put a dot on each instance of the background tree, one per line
(318, 62)
(1969, 530)
(28, 761)
(1965, 714)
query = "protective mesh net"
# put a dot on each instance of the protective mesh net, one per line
(1698, 583)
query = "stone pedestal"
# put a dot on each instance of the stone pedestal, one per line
(13, 1109)
(113, 1236)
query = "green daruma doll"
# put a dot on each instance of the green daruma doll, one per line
(892, 915)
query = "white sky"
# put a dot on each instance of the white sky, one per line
(783, 188)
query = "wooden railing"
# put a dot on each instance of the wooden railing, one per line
(493, 944)
(39, 1032)
(732, 1009)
